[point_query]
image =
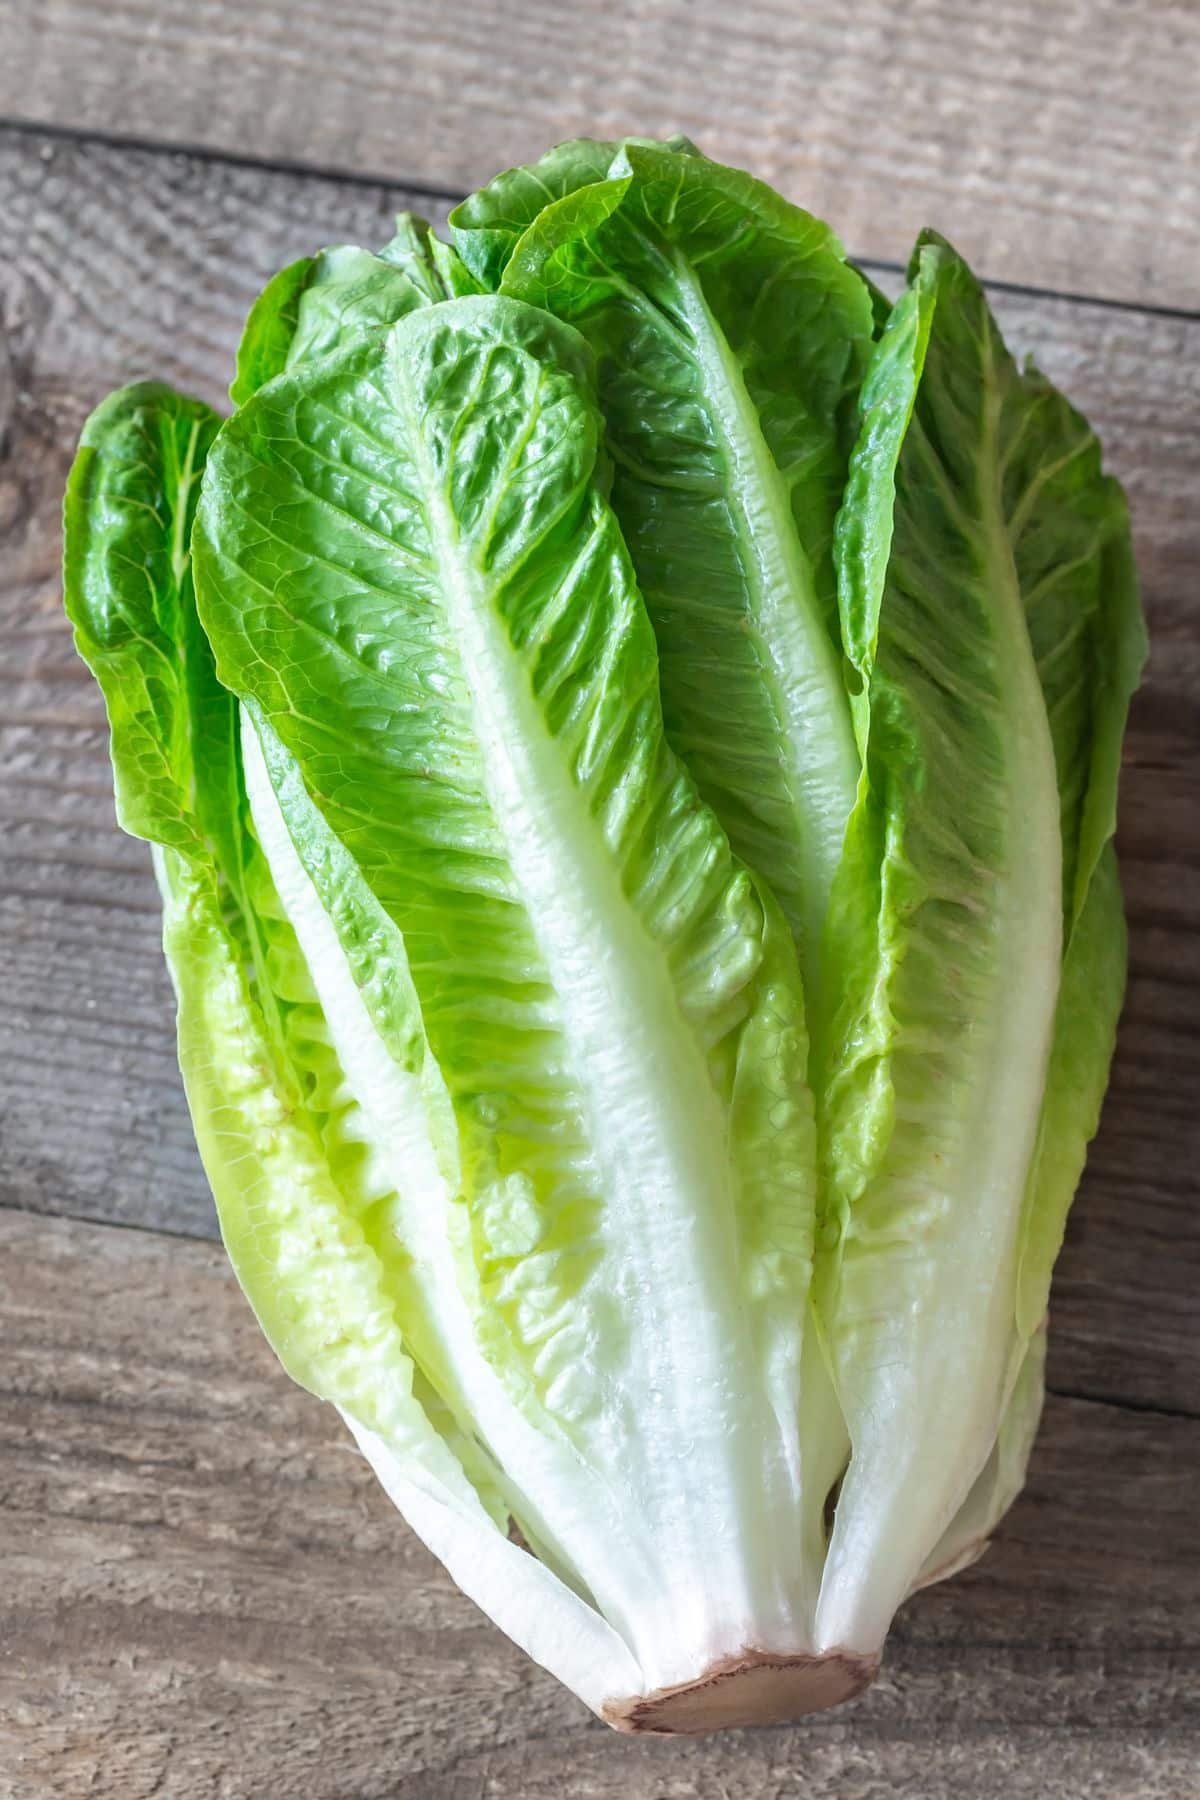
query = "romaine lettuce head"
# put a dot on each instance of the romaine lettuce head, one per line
(647, 960)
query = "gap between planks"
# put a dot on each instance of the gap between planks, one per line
(443, 195)
(1056, 1391)
(1055, 143)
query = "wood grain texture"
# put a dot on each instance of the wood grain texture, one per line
(204, 1593)
(116, 263)
(1058, 144)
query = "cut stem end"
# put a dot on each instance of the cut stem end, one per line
(753, 1688)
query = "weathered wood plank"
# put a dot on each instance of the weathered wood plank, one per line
(119, 263)
(203, 1592)
(1058, 144)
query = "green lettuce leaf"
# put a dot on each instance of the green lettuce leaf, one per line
(413, 582)
(269, 329)
(1072, 552)
(316, 305)
(1090, 639)
(281, 1138)
(434, 268)
(487, 224)
(947, 923)
(127, 581)
(730, 337)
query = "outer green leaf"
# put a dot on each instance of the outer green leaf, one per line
(128, 587)
(947, 919)
(730, 336)
(128, 591)
(302, 1207)
(1072, 554)
(1093, 987)
(407, 570)
(488, 224)
(1089, 672)
(1071, 545)
(349, 290)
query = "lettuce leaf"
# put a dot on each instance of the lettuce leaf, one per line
(487, 225)
(730, 337)
(1090, 638)
(320, 303)
(408, 574)
(282, 1142)
(127, 582)
(435, 268)
(976, 549)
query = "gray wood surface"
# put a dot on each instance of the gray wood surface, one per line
(201, 1591)
(1058, 141)
(206, 1593)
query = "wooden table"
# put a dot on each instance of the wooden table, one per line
(202, 1593)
